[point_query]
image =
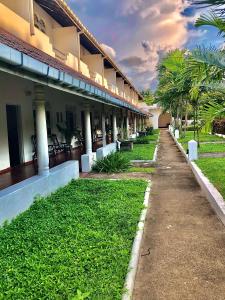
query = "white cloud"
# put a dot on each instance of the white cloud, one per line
(109, 50)
(161, 26)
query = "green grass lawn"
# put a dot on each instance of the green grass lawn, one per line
(142, 170)
(207, 148)
(204, 137)
(140, 152)
(146, 139)
(204, 148)
(214, 169)
(79, 238)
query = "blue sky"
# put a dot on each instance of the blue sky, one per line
(136, 33)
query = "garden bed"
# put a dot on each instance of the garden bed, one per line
(79, 238)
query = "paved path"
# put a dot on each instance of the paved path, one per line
(183, 250)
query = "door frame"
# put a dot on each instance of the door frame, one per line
(19, 130)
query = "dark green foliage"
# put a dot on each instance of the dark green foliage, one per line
(74, 244)
(113, 163)
(150, 130)
(146, 139)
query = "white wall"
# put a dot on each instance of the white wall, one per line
(13, 92)
(156, 112)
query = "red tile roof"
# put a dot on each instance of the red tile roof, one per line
(18, 44)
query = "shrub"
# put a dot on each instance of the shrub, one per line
(150, 130)
(146, 139)
(219, 126)
(141, 140)
(112, 163)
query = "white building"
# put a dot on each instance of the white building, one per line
(54, 73)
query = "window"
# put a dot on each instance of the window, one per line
(39, 23)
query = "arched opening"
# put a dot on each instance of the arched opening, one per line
(164, 120)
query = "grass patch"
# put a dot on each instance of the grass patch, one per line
(140, 152)
(208, 148)
(214, 169)
(204, 148)
(76, 241)
(203, 137)
(142, 170)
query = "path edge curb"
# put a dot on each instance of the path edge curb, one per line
(135, 253)
(212, 194)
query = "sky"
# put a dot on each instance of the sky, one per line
(137, 33)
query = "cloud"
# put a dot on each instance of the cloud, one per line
(140, 32)
(109, 50)
(132, 61)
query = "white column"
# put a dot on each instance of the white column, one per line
(122, 127)
(127, 126)
(103, 129)
(88, 139)
(114, 128)
(41, 127)
(31, 12)
(135, 124)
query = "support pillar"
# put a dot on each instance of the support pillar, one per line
(41, 134)
(135, 124)
(88, 138)
(122, 127)
(127, 127)
(103, 129)
(115, 132)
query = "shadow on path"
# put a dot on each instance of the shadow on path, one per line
(183, 249)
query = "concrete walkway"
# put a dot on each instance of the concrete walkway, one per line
(183, 250)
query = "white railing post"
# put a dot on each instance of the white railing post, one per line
(177, 134)
(192, 150)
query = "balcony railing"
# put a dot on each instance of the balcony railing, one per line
(60, 55)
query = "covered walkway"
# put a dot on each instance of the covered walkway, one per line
(183, 249)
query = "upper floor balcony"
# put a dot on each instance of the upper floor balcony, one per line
(62, 43)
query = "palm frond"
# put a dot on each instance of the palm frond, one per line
(212, 19)
(207, 3)
(210, 112)
(212, 57)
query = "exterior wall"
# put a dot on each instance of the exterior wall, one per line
(120, 86)
(164, 120)
(110, 75)
(13, 92)
(19, 7)
(127, 91)
(20, 27)
(155, 111)
(66, 45)
(95, 65)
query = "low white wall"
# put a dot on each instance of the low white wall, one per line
(104, 151)
(19, 197)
